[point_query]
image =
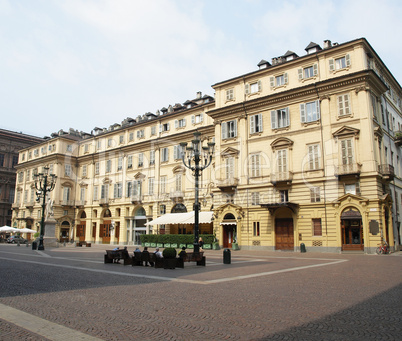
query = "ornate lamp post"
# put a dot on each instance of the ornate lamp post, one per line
(44, 183)
(197, 160)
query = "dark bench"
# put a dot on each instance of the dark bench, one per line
(197, 257)
(140, 258)
(113, 256)
(82, 244)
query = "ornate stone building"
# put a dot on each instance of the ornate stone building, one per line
(307, 151)
(10, 144)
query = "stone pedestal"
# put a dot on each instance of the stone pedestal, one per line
(49, 239)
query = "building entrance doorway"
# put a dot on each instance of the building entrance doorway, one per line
(284, 236)
(352, 230)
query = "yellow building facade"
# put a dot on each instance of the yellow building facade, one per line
(307, 152)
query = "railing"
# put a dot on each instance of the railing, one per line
(348, 169)
(30, 204)
(80, 203)
(280, 177)
(398, 138)
(104, 201)
(67, 203)
(176, 194)
(387, 171)
(233, 182)
(137, 198)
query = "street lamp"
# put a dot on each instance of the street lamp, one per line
(197, 160)
(44, 183)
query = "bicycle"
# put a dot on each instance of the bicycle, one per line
(382, 248)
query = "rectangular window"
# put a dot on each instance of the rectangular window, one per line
(317, 227)
(140, 134)
(120, 163)
(255, 123)
(82, 193)
(152, 157)
(164, 127)
(347, 152)
(96, 168)
(230, 94)
(131, 136)
(284, 195)
(280, 118)
(140, 159)
(67, 170)
(69, 148)
(108, 166)
(84, 171)
(195, 119)
(177, 152)
(229, 129)
(230, 165)
(86, 148)
(151, 183)
(315, 195)
(66, 194)
(255, 198)
(118, 190)
(121, 139)
(180, 123)
(130, 161)
(313, 157)
(129, 189)
(310, 112)
(162, 209)
(153, 130)
(352, 188)
(282, 161)
(110, 142)
(254, 87)
(255, 165)
(99, 144)
(163, 184)
(20, 177)
(279, 80)
(256, 228)
(343, 105)
(178, 182)
(374, 106)
(165, 154)
(105, 191)
(339, 63)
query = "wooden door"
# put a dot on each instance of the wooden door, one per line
(104, 232)
(352, 235)
(228, 234)
(81, 232)
(284, 237)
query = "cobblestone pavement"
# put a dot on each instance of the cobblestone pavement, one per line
(259, 296)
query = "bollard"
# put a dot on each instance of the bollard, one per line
(226, 256)
(34, 245)
(27, 244)
(302, 247)
(18, 244)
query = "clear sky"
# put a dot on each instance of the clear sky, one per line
(91, 63)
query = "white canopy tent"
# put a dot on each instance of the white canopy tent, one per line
(10, 229)
(182, 218)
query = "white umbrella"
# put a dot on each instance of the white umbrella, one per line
(26, 230)
(6, 228)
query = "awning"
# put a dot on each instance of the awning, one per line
(182, 218)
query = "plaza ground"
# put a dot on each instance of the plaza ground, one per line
(67, 293)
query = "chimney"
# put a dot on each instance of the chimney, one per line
(199, 94)
(327, 44)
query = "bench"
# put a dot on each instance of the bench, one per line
(113, 256)
(82, 244)
(197, 257)
(140, 258)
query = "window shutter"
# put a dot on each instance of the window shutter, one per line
(160, 128)
(201, 117)
(331, 65)
(135, 188)
(315, 69)
(347, 58)
(115, 191)
(287, 117)
(300, 73)
(168, 126)
(273, 119)
(318, 109)
(271, 82)
(247, 88)
(224, 130)
(235, 127)
(252, 124)
(285, 77)
(176, 123)
(346, 103)
(184, 122)
(259, 86)
(260, 122)
(192, 119)
(302, 112)
(175, 153)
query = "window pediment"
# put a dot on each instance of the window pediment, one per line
(281, 143)
(179, 169)
(347, 132)
(67, 184)
(139, 176)
(229, 152)
(107, 180)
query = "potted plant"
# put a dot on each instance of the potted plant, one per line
(169, 258)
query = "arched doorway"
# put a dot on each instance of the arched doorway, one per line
(139, 225)
(81, 227)
(179, 208)
(229, 225)
(105, 228)
(64, 232)
(352, 230)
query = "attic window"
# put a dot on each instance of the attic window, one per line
(312, 50)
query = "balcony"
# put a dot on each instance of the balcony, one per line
(281, 178)
(228, 185)
(103, 201)
(137, 198)
(80, 203)
(30, 204)
(398, 138)
(387, 171)
(15, 206)
(176, 195)
(349, 169)
(67, 203)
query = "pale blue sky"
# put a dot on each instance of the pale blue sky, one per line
(81, 64)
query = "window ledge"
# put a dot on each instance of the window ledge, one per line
(306, 124)
(278, 130)
(308, 79)
(339, 117)
(279, 87)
